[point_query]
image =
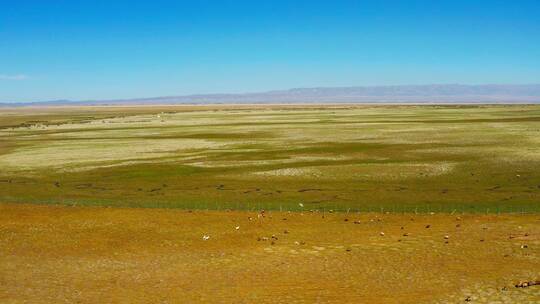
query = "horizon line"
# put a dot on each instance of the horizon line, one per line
(230, 94)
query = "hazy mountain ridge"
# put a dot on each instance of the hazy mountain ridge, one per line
(438, 93)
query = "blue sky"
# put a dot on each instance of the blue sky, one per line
(84, 50)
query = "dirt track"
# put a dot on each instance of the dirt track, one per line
(51, 254)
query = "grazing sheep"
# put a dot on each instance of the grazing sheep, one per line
(527, 284)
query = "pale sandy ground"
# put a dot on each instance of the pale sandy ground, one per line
(53, 254)
(131, 137)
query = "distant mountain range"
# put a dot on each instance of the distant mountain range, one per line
(440, 93)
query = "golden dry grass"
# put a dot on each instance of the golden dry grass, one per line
(453, 159)
(59, 254)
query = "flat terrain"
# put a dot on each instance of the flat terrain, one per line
(364, 204)
(60, 254)
(368, 158)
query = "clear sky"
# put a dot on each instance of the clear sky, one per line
(84, 50)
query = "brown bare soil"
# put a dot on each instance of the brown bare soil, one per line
(60, 254)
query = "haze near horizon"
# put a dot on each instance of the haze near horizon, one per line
(102, 50)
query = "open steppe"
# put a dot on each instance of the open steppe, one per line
(367, 158)
(60, 254)
(363, 204)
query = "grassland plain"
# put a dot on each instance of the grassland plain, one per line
(62, 254)
(379, 165)
(483, 158)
